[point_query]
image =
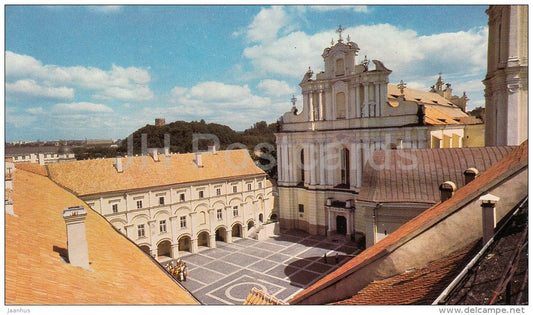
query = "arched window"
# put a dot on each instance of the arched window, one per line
(340, 105)
(345, 167)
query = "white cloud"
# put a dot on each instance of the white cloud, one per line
(31, 89)
(207, 95)
(409, 55)
(328, 8)
(81, 107)
(120, 83)
(106, 8)
(35, 111)
(275, 88)
(267, 24)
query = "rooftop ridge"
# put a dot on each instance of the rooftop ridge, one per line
(507, 166)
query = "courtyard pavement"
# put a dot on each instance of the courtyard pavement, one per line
(281, 266)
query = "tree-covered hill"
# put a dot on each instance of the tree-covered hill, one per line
(259, 139)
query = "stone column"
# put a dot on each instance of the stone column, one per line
(353, 165)
(194, 244)
(212, 240)
(357, 100)
(312, 162)
(321, 164)
(359, 164)
(383, 97)
(320, 105)
(174, 250)
(229, 238)
(366, 111)
(377, 97)
(285, 161)
(279, 162)
(311, 106)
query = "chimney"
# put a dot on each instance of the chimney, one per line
(41, 158)
(153, 154)
(78, 253)
(470, 174)
(212, 149)
(488, 216)
(447, 189)
(199, 159)
(118, 164)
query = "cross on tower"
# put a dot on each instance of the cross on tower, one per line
(293, 101)
(340, 30)
(401, 86)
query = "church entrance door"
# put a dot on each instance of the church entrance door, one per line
(341, 225)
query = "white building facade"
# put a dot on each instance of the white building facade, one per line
(349, 111)
(198, 204)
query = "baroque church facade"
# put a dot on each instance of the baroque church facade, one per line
(349, 111)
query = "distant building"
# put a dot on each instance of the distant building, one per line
(43, 158)
(172, 203)
(99, 142)
(160, 122)
(349, 111)
(506, 82)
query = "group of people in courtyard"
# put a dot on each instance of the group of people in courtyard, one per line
(178, 269)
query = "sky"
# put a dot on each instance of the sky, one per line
(102, 72)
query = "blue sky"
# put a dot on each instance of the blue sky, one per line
(76, 72)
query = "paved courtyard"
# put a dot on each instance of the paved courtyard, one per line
(281, 266)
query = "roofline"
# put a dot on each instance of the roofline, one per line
(454, 207)
(129, 240)
(167, 186)
(444, 294)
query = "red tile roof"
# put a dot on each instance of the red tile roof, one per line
(513, 161)
(258, 297)
(419, 286)
(35, 240)
(424, 171)
(32, 167)
(97, 176)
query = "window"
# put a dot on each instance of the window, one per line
(249, 186)
(161, 201)
(218, 192)
(182, 197)
(183, 221)
(200, 194)
(139, 204)
(300, 208)
(114, 207)
(140, 230)
(260, 185)
(219, 214)
(234, 188)
(235, 211)
(163, 226)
